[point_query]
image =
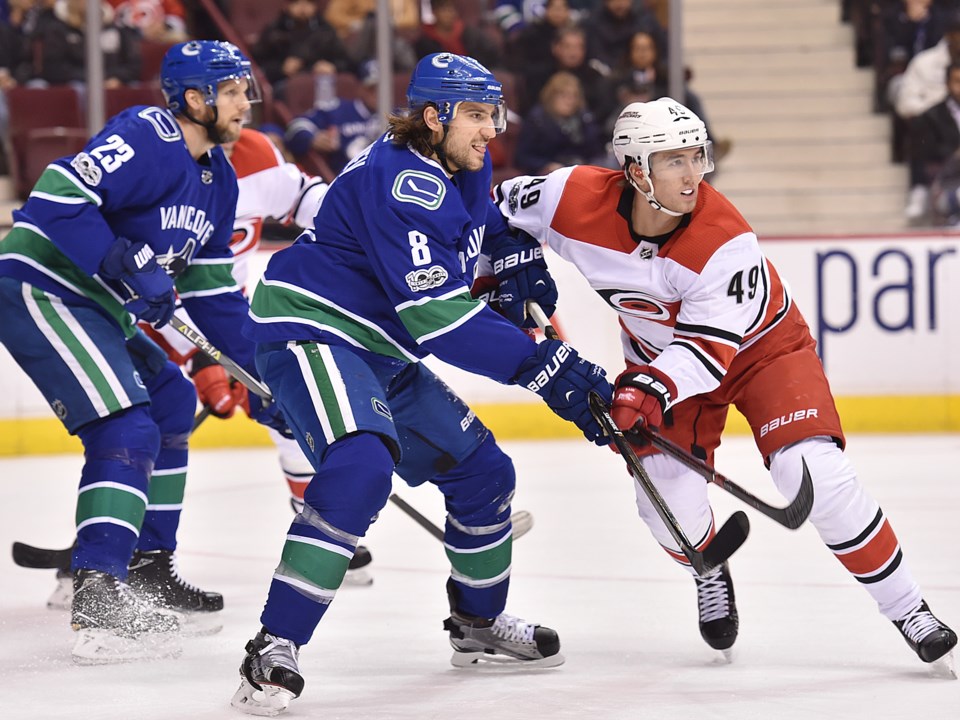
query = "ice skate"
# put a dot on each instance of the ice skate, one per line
(718, 610)
(115, 625)
(503, 639)
(62, 596)
(269, 676)
(929, 638)
(358, 572)
(155, 576)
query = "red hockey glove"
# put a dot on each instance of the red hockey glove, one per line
(641, 396)
(214, 388)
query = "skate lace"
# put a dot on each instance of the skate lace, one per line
(513, 629)
(918, 624)
(712, 598)
(175, 574)
(280, 651)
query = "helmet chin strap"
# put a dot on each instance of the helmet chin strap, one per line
(213, 134)
(442, 154)
(648, 194)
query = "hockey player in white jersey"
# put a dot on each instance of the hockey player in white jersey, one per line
(706, 323)
(342, 318)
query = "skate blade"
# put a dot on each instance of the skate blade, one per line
(474, 659)
(726, 657)
(102, 647)
(270, 701)
(200, 624)
(361, 577)
(62, 596)
(944, 668)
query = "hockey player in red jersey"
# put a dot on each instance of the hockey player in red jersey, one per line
(707, 323)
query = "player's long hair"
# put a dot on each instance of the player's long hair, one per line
(411, 129)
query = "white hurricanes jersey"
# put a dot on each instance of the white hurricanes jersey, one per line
(269, 187)
(688, 302)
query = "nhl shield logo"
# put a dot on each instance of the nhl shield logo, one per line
(206, 177)
(59, 409)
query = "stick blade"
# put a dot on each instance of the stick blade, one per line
(732, 534)
(797, 512)
(41, 558)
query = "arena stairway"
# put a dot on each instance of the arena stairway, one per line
(778, 78)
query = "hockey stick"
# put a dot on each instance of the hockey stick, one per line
(44, 558)
(729, 537)
(29, 556)
(792, 516)
(208, 348)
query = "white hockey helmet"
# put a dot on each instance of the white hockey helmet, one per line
(646, 128)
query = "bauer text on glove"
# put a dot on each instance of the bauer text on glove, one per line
(564, 380)
(132, 270)
(522, 275)
(642, 395)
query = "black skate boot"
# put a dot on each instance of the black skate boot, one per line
(114, 624)
(504, 639)
(154, 575)
(269, 675)
(929, 638)
(718, 610)
(358, 571)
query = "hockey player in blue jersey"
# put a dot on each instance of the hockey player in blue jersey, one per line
(103, 240)
(342, 318)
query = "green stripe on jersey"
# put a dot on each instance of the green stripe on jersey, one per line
(317, 565)
(25, 245)
(437, 316)
(88, 365)
(167, 489)
(113, 502)
(276, 302)
(483, 563)
(206, 277)
(54, 182)
(328, 395)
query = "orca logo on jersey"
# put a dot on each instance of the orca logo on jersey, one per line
(637, 304)
(419, 188)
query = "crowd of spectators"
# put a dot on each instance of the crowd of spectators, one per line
(569, 66)
(913, 47)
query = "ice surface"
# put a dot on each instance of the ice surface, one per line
(811, 643)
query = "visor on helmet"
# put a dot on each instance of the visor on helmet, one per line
(679, 162)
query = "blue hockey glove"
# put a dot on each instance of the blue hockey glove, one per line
(268, 414)
(564, 379)
(522, 275)
(132, 269)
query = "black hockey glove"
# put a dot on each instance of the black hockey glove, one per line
(564, 379)
(132, 269)
(522, 275)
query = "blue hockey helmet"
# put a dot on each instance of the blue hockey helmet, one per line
(446, 80)
(202, 65)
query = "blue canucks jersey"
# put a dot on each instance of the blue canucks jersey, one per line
(135, 179)
(389, 267)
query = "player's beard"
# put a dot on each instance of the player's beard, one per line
(462, 157)
(222, 133)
